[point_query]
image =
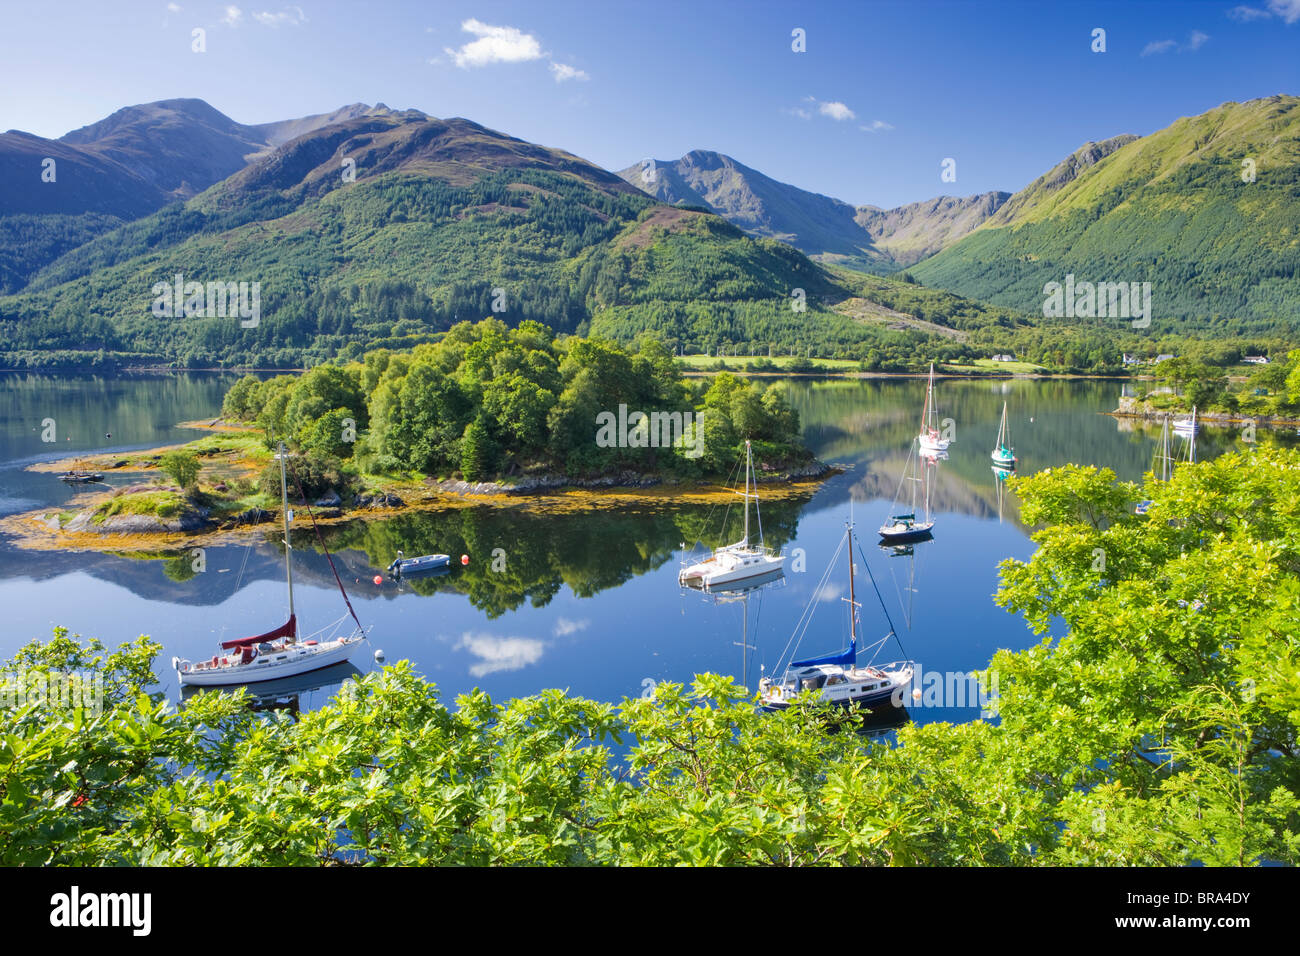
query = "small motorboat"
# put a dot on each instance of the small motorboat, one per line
(80, 477)
(425, 562)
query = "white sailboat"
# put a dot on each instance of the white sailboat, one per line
(1004, 454)
(277, 653)
(929, 437)
(837, 676)
(1186, 426)
(739, 562)
(1164, 465)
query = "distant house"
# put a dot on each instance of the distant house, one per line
(1163, 358)
(1256, 359)
(1004, 358)
(1131, 359)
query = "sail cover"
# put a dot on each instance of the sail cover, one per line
(845, 658)
(288, 629)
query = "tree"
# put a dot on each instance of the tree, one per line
(181, 466)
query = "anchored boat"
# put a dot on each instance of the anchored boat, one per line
(1003, 454)
(736, 563)
(280, 652)
(837, 676)
(425, 562)
(929, 437)
(903, 526)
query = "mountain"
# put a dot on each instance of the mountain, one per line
(758, 204)
(121, 168)
(910, 233)
(827, 229)
(1205, 210)
(442, 220)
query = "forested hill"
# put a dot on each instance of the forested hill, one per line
(386, 229)
(1207, 210)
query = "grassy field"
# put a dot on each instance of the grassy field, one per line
(738, 363)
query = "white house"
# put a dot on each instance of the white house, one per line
(1256, 359)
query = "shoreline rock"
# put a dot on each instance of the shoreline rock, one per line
(188, 522)
(1130, 407)
(536, 484)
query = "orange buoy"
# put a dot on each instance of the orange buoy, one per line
(379, 579)
(464, 559)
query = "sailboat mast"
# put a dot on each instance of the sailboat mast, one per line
(925, 411)
(288, 549)
(747, 467)
(853, 606)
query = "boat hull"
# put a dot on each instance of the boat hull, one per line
(894, 695)
(268, 667)
(918, 532)
(429, 562)
(712, 578)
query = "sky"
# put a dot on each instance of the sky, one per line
(880, 94)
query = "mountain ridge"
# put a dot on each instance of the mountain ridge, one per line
(825, 228)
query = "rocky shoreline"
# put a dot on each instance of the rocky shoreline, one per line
(194, 525)
(535, 484)
(1130, 407)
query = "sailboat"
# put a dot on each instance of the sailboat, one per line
(903, 525)
(1164, 469)
(1186, 426)
(277, 653)
(839, 678)
(734, 563)
(1003, 454)
(929, 437)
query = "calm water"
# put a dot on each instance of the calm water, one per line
(588, 602)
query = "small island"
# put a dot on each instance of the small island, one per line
(487, 415)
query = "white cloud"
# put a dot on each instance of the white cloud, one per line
(831, 108)
(564, 72)
(1288, 10)
(1244, 14)
(173, 8)
(293, 16)
(233, 16)
(1158, 46)
(494, 45)
(499, 653)
(876, 126)
(564, 627)
(836, 111)
(1195, 40)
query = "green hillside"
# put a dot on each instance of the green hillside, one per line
(1221, 254)
(446, 220)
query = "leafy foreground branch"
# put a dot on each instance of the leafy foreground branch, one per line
(1161, 729)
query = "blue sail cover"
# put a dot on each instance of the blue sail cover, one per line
(846, 658)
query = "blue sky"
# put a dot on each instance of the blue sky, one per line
(883, 93)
